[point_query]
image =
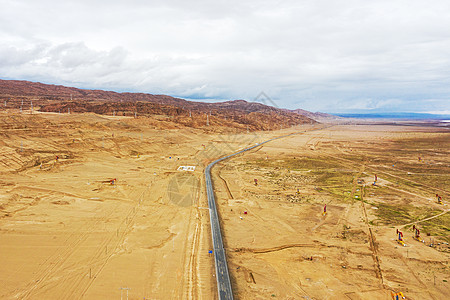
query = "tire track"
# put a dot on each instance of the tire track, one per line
(273, 249)
(128, 221)
(54, 264)
(230, 195)
(193, 263)
(77, 277)
(373, 246)
(426, 219)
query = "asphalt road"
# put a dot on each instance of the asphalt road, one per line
(222, 275)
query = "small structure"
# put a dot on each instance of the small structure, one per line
(186, 168)
(400, 238)
(417, 234)
(397, 296)
(375, 180)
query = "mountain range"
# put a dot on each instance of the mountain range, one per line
(239, 114)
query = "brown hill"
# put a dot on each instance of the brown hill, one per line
(238, 114)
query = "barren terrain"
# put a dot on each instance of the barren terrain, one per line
(67, 232)
(282, 246)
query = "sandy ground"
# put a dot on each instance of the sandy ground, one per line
(66, 232)
(281, 246)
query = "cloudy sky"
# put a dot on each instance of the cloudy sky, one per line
(321, 55)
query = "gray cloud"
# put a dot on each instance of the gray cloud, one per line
(328, 55)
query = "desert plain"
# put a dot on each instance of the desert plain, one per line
(97, 207)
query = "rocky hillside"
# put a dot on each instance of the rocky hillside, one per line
(239, 114)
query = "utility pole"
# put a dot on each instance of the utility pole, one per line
(121, 289)
(31, 107)
(207, 120)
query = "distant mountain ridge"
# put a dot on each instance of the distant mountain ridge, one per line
(234, 114)
(396, 115)
(317, 116)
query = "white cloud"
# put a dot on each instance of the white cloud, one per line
(328, 55)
